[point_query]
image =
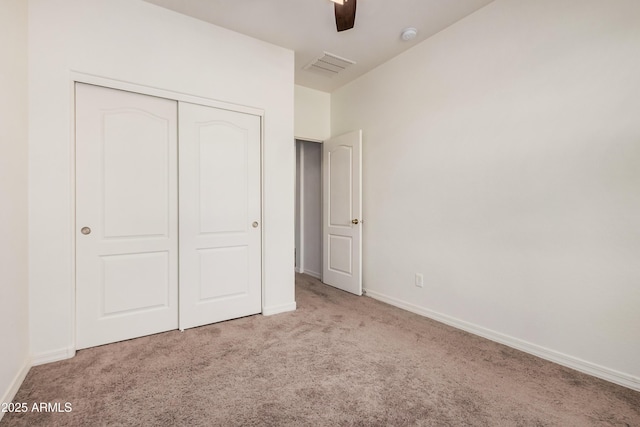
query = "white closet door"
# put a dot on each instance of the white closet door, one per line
(126, 215)
(220, 224)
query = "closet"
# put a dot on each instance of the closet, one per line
(168, 215)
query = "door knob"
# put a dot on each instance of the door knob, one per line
(85, 230)
(255, 224)
(355, 221)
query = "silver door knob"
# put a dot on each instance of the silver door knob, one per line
(85, 230)
(255, 224)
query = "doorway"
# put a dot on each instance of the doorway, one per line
(329, 210)
(309, 208)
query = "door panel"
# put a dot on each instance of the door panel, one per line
(135, 140)
(135, 282)
(340, 169)
(220, 259)
(126, 193)
(340, 254)
(226, 273)
(222, 152)
(342, 210)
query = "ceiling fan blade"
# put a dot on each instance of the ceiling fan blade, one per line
(345, 15)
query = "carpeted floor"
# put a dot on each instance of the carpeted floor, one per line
(337, 360)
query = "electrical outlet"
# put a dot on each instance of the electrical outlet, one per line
(419, 280)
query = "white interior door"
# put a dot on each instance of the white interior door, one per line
(342, 210)
(220, 223)
(126, 215)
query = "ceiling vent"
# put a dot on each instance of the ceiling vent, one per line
(329, 64)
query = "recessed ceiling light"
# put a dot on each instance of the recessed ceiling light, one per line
(338, 1)
(409, 33)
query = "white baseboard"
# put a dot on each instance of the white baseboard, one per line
(297, 270)
(10, 393)
(53, 356)
(313, 274)
(270, 311)
(593, 369)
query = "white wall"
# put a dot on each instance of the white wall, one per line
(501, 160)
(139, 43)
(312, 118)
(14, 334)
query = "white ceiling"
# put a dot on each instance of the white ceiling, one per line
(308, 28)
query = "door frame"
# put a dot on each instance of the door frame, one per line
(79, 77)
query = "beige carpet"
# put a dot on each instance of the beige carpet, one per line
(337, 360)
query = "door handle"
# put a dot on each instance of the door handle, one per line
(255, 224)
(85, 230)
(355, 221)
